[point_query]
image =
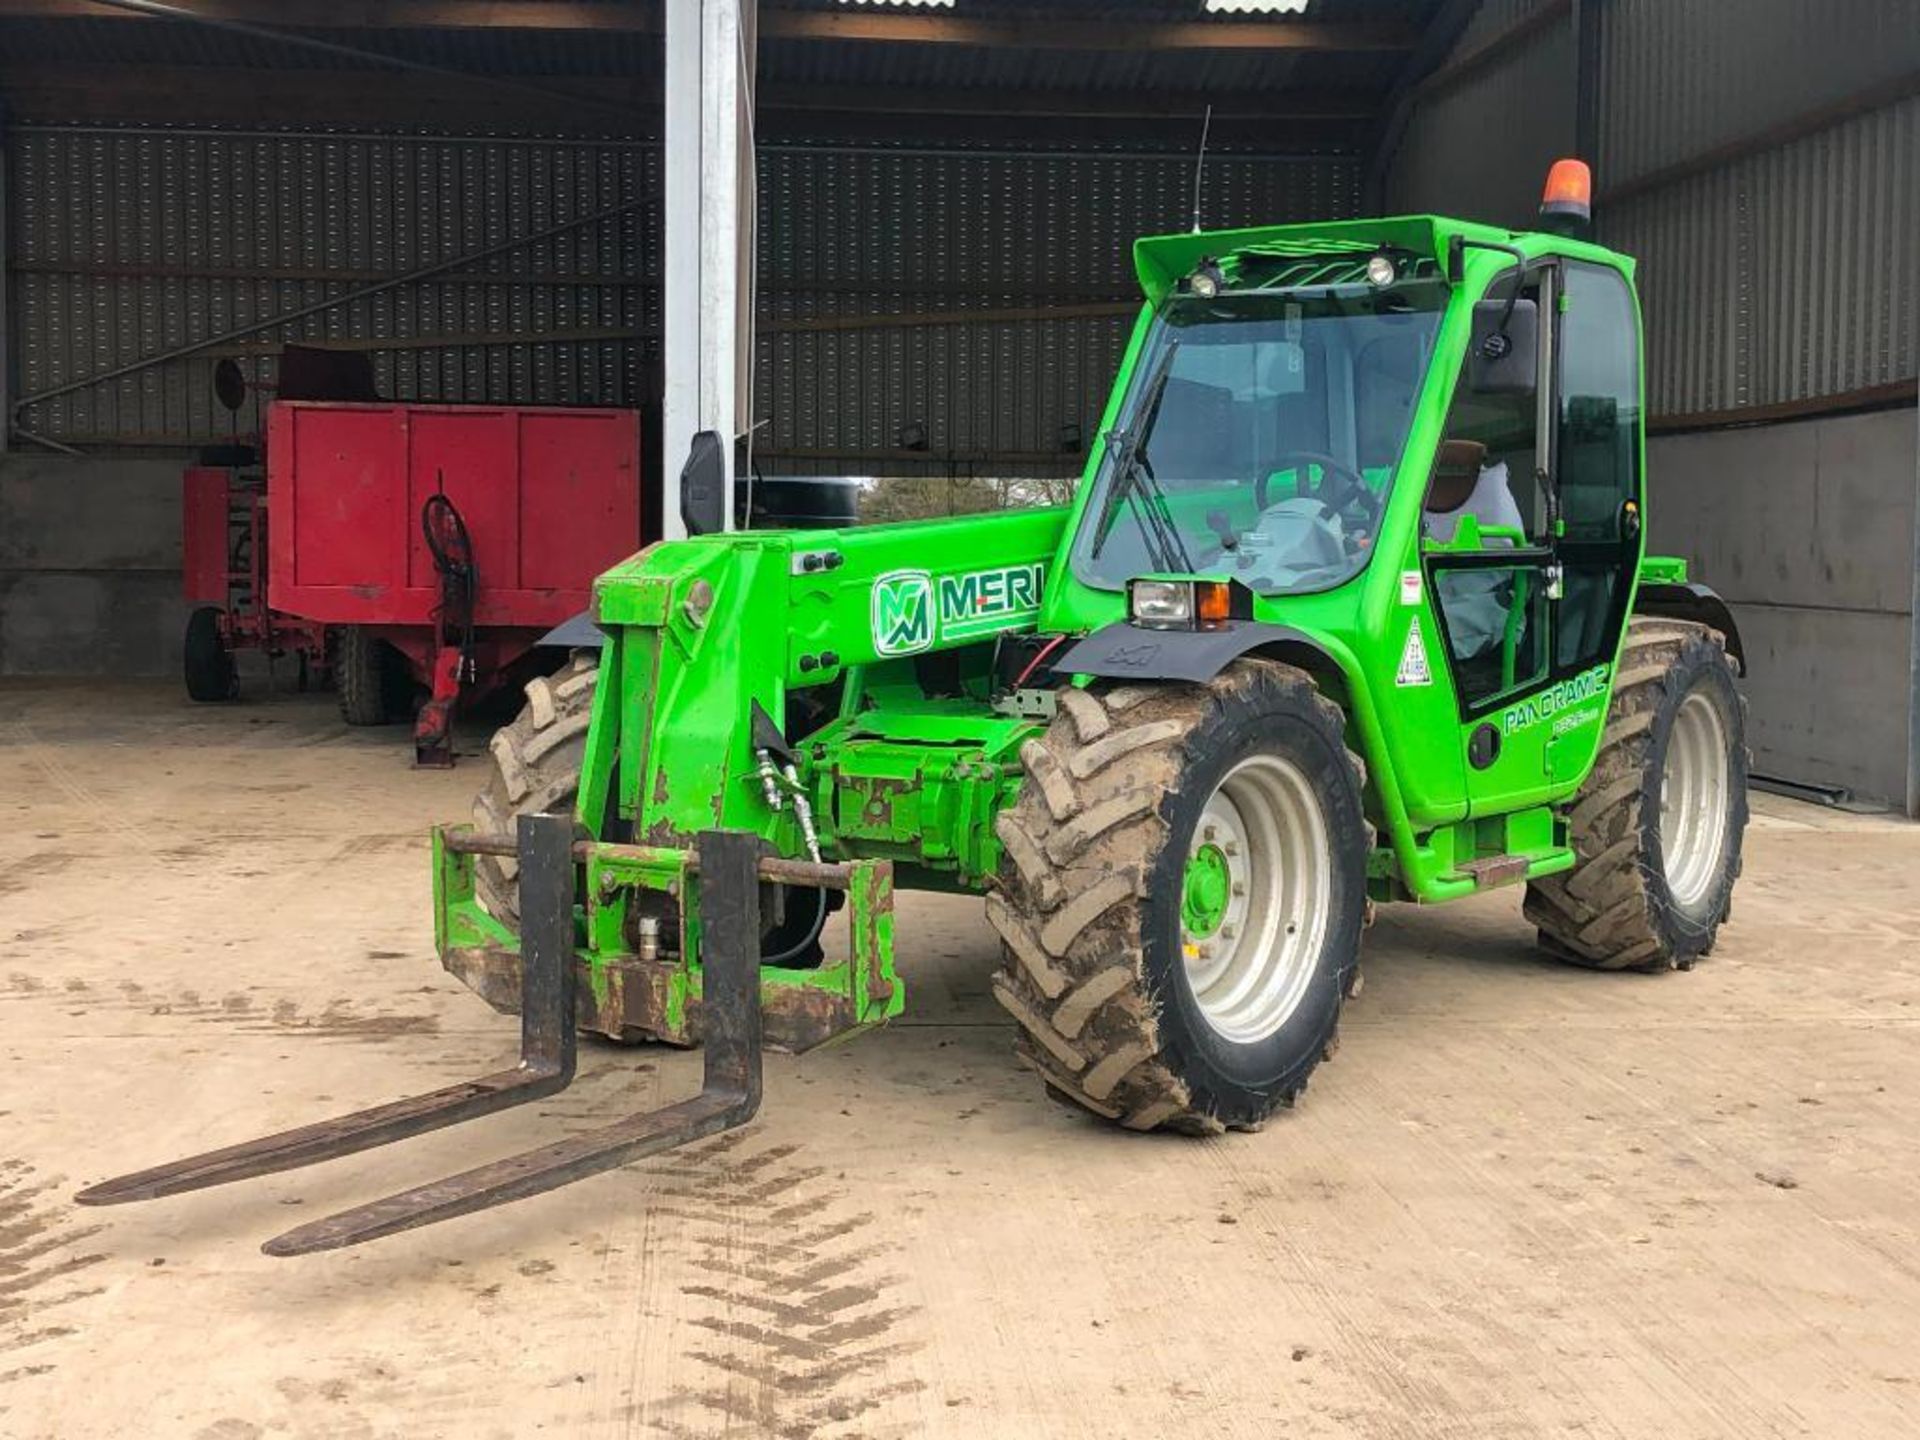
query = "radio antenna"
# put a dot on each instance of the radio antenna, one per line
(1200, 166)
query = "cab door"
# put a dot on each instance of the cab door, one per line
(1532, 601)
(1598, 485)
(1487, 541)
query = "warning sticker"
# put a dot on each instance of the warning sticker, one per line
(1409, 587)
(1414, 669)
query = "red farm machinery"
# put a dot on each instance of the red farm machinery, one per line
(405, 550)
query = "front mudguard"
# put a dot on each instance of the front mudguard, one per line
(1124, 651)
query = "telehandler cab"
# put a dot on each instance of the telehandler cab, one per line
(1350, 607)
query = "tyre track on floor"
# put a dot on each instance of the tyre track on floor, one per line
(337, 1020)
(42, 1265)
(807, 1334)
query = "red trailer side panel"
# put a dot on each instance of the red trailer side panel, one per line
(574, 508)
(203, 536)
(550, 498)
(473, 458)
(335, 509)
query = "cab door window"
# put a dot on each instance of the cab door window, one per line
(1597, 460)
(1483, 529)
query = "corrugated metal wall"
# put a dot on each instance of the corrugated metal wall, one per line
(1767, 279)
(127, 243)
(1777, 276)
(1680, 79)
(1786, 275)
(1477, 148)
(1764, 163)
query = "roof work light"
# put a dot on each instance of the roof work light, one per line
(1207, 280)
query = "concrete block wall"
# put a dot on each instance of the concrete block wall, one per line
(90, 565)
(1808, 530)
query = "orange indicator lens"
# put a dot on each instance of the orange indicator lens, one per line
(1210, 602)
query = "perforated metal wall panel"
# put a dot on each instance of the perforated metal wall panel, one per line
(983, 297)
(897, 286)
(130, 243)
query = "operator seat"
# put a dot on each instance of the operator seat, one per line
(1464, 484)
(1475, 603)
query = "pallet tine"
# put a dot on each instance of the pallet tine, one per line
(546, 1051)
(729, 1093)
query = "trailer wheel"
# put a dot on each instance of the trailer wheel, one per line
(207, 661)
(362, 677)
(1659, 823)
(1182, 896)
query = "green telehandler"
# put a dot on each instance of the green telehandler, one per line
(1351, 606)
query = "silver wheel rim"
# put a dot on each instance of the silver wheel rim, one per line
(1694, 791)
(1250, 972)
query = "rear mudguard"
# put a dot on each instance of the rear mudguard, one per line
(1688, 600)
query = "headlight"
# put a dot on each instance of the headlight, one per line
(1180, 604)
(1161, 604)
(1381, 271)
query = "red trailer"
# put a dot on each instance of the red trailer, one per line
(223, 545)
(439, 542)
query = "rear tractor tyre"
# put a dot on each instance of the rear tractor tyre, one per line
(1182, 897)
(207, 661)
(1659, 823)
(362, 676)
(537, 760)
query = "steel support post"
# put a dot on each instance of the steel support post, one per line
(708, 200)
(6, 297)
(1913, 662)
(1586, 80)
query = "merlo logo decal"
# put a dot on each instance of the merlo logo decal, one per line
(911, 611)
(902, 612)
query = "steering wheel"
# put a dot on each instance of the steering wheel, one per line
(1352, 488)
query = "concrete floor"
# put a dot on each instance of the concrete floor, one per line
(1523, 1201)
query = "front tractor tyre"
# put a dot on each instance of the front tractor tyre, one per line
(535, 767)
(1659, 823)
(536, 764)
(1182, 896)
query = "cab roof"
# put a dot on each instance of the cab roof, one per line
(1161, 261)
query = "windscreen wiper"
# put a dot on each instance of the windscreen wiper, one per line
(1166, 549)
(1135, 482)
